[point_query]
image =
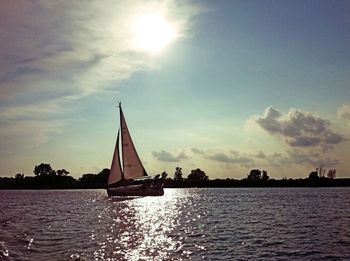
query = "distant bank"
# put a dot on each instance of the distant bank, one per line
(47, 178)
(71, 183)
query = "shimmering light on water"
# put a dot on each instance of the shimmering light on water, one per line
(184, 224)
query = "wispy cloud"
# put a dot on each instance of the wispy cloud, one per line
(227, 158)
(290, 157)
(259, 154)
(197, 151)
(169, 157)
(80, 46)
(27, 133)
(53, 53)
(222, 156)
(299, 157)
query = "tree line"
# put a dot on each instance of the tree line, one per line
(257, 178)
(47, 178)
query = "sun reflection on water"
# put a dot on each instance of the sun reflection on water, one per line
(148, 228)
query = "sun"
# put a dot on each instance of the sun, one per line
(152, 33)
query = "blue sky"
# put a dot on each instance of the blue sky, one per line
(244, 84)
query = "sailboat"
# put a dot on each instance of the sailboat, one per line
(129, 177)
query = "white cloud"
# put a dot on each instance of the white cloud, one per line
(299, 129)
(344, 112)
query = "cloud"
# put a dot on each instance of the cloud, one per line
(197, 151)
(298, 157)
(260, 155)
(232, 159)
(42, 110)
(80, 46)
(29, 133)
(269, 121)
(168, 157)
(285, 159)
(53, 53)
(344, 112)
(299, 129)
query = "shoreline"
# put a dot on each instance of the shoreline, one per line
(208, 184)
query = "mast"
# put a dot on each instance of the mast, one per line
(116, 173)
(121, 135)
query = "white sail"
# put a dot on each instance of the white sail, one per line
(116, 173)
(132, 165)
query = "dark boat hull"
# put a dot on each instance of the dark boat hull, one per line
(137, 190)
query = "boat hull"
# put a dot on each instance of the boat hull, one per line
(142, 190)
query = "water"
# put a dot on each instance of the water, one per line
(184, 224)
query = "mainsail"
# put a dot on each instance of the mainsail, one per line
(132, 166)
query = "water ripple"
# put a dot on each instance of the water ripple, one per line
(184, 224)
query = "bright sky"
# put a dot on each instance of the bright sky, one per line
(225, 86)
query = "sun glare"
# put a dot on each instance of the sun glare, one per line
(152, 33)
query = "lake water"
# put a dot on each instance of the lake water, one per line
(184, 224)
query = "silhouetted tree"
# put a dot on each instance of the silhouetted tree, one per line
(197, 175)
(62, 172)
(264, 177)
(87, 178)
(19, 176)
(44, 169)
(331, 173)
(95, 180)
(254, 175)
(104, 174)
(178, 174)
(313, 175)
